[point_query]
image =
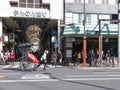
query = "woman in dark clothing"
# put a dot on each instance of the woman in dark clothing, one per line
(91, 57)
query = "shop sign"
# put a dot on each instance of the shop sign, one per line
(36, 13)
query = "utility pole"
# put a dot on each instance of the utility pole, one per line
(84, 39)
(118, 31)
(100, 43)
(59, 35)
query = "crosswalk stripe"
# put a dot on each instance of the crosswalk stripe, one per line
(18, 66)
(11, 66)
(6, 66)
(35, 76)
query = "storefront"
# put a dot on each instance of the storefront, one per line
(73, 39)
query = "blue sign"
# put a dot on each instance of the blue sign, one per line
(54, 32)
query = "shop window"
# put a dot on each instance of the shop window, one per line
(30, 5)
(22, 3)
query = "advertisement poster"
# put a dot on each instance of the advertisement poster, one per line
(68, 53)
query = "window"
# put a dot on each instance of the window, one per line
(81, 18)
(69, 18)
(94, 18)
(14, 4)
(98, 1)
(70, 1)
(37, 3)
(104, 1)
(104, 17)
(75, 18)
(86, 1)
(22, 3)
(111, 1)
(88, 18)
(91, 1)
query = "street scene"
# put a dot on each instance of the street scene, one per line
(59, 44)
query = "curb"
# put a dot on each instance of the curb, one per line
(97, 67)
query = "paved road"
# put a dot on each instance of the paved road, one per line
(60, 78)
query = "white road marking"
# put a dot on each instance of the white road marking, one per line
(89, 75)
(6, 66)
(51, 80)
(7, 81)
(9, 73)
(16, 66)
(88, 79)
(11, 66)
(35, 76)
(106, 72)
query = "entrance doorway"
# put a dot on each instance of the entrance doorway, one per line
(77, 47)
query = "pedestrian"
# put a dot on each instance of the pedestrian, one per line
(96, 57)
(59, 57)
(79, 57)
(12, 56)
(54, 58)
(1, 57)
(7, 57)
(43, 60)
(75, 58)
(91, 57)
(108, 56)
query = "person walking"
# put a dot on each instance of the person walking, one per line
(54, 58)
(7, 57)
(75, 58)
(79, 57)
(12, 56)
(1, 58)
(44, 58)
(96, 57)
(91, 57)
(108, 57)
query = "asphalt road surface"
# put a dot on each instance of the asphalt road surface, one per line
(59, 78)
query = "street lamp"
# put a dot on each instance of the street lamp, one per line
(84, 39)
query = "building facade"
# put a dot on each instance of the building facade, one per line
(90, 18)
(29, 21)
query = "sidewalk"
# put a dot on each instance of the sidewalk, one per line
(78, 67)
(100, 67)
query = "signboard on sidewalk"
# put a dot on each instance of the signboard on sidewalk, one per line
(68, 53)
